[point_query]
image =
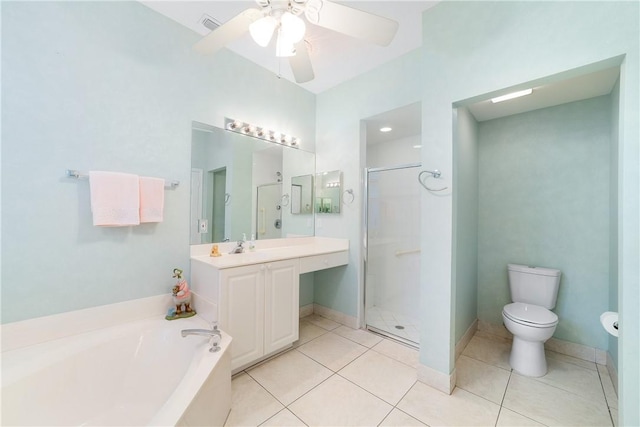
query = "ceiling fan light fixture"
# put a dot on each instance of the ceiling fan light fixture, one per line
(284, 46)
(292, 27)
(262, 30)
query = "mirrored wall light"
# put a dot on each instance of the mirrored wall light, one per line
(261, 133)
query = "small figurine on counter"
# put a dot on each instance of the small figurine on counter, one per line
(181, 297)
(214, 251)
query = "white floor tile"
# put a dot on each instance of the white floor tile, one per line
(307, 332)
(337, 402)
(373, 374)
(322, 322)
(492, 351)
(381, 375)
(284, 418)
(397, 418)
(575, 379)
(332, 350)
(289, 376)
(553, 406)
(399, 352)
(461, 408)
(360, 336)
(614, 416)
(250, 403)
(482, 379)
(607, 385)
(569, 359)
(508, 418)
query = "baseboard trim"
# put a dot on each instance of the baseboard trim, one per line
(436, 379)
(306, 310)
(579, 351)
(464, 341)
(336, 316)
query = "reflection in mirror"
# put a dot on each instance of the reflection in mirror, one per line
(328, 192)
(301, 197)
(237, 185)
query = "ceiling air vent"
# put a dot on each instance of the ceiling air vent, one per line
(209, 23)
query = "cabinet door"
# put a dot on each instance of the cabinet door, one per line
(282, 304)
(242, 312)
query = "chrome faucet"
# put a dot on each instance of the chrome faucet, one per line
(214, 336)
(238, 249)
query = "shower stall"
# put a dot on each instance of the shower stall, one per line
(269, 211)
(392, 253)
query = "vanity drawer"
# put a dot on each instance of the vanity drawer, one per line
(320, 262)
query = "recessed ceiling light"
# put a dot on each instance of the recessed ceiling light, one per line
(512, 95)
(417, 146)
(385, 129)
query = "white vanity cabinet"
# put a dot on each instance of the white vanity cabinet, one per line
(255, 296)
(258, 307)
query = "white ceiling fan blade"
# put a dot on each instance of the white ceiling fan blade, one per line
(231, 30)
(352, 22)
(301, 63)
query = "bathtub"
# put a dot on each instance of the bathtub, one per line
(138, 373)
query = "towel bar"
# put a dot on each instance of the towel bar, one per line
(83, 175)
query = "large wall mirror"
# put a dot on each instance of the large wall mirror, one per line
(243, 186)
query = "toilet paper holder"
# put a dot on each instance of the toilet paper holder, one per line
(610, 323)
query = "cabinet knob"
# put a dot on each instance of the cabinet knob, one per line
(262, 267)
(326, 262)
(268, 266)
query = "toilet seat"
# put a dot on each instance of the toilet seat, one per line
(530, 315)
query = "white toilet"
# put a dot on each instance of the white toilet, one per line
(529, 318)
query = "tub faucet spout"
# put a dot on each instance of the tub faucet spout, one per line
(214, 336)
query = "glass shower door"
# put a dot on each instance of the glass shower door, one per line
(393, 252)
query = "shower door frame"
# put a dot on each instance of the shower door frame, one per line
(365, 248)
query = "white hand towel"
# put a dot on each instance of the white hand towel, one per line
(115, 199)
(151, 199)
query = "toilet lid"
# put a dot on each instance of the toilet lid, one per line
(530, 314)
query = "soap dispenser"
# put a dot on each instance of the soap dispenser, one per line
(252, 243)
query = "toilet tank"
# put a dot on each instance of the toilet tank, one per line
(534, 285)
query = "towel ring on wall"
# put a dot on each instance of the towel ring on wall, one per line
(227, 198)
(435, 174)
(350, 193)
(285, 199)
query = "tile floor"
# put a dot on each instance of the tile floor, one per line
(337, 376)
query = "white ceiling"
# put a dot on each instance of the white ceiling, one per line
(336, 58)
(404, 122)
(570, 90)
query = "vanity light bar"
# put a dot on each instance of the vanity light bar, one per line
(261, 133)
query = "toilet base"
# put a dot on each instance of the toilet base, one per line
(527, 357)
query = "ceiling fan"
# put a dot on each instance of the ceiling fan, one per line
(282, 18)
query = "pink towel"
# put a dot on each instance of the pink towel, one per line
(151, 199)
(115, 200)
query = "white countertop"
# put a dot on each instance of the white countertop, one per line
(268, 251)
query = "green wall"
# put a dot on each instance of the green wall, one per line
(613, 219)
(110, 86)
(465, 226)
(544, 201)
